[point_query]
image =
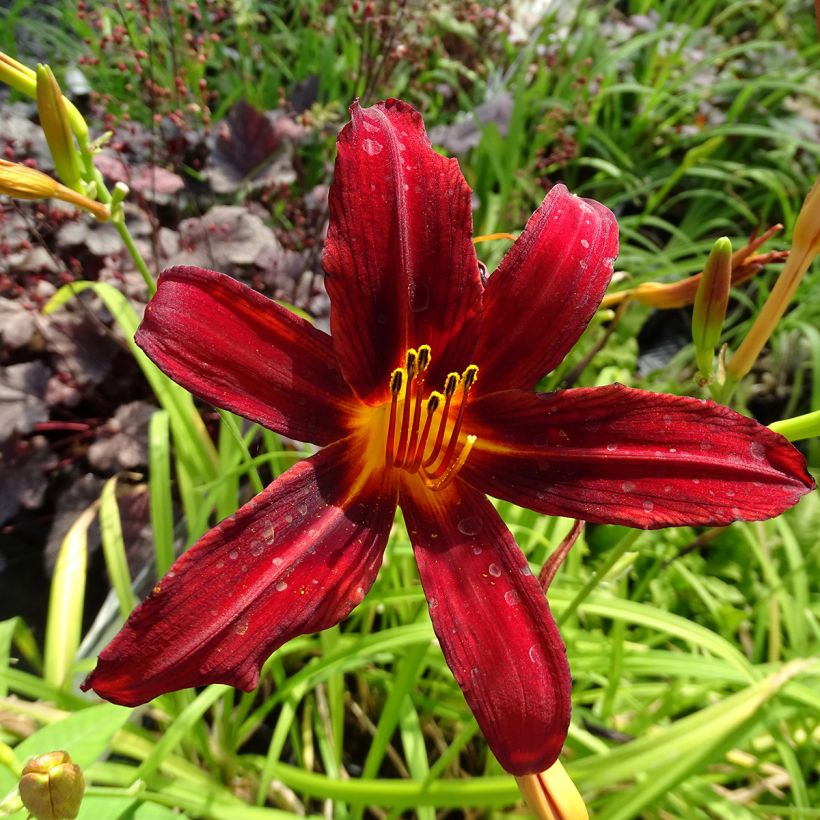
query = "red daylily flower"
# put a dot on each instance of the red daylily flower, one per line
(423, 397)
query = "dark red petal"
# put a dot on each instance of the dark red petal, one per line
(239, 350)
(622, 456)
(545, 291)
(401, 266)
(493, 623)
(294, 560)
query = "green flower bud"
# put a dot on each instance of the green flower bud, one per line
(54, 122)
(51, 787)
(711, 300)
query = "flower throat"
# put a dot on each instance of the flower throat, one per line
(429, 446)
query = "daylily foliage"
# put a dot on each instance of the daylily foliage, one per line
(423, 397)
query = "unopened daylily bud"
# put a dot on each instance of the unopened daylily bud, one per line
(22, 182)
(54, 122)
(51, 787)
(551, 795)
(666, 295)
(20, 77)
(23, 79)
(711, 300)
(805, 246)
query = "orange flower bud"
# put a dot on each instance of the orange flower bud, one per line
(551, 795)
(23, 182)
(51, 787)
(665, 295)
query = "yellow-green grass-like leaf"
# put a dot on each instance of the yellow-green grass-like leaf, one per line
(159, 491)
(113, 546)
(65, 606)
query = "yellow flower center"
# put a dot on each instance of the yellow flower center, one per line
(420, 431)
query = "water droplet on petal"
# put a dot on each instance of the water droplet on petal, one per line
(432, 603)
(533, 654)
(471, 525)
(303, 510)
(611, 447)
(477, 550)
(281, 586)
(525, 570)
(241, 627)
(257, 549)
(233, 555)
(494, 571)
(757, 450)
(628, 486)
(584, 243)
(648, 506)
(372, 147)
(512, 597)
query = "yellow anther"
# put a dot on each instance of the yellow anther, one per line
(424, 357)
(451, 384)
(469, 376)
(396, 380)
(433, 401)
(412, 359)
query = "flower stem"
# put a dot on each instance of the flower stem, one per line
(799, 427)
(135, 255)
(615, 555)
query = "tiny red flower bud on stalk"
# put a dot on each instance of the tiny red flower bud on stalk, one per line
(51, 787)
(711, 300)
(805, 246)
(54, 122)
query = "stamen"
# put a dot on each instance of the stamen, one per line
(412, 371)
(396, 380)
(450, 473)
(433, 401)
(406, 444)
(423, 363)
(467, 380)
(450, 386)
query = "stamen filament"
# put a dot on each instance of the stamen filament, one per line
(440, 482)
(466, 383)
(450, 386)
(432, 405)
(401, 450)
(396, 380)
(412, 441)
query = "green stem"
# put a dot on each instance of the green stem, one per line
(135, 255)
(617, 552)
(798, 428)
